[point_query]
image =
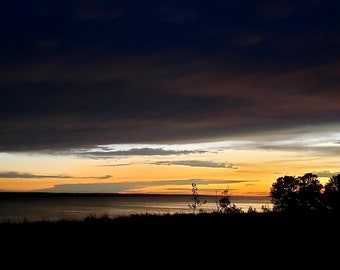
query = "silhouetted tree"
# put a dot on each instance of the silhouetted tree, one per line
(309, 192)
(224, 201)
(283, 193)
(233, 209)
(331, 195)
(265, 209)
(196, 202)
(225, 206)
(251, 210)
(293, 194)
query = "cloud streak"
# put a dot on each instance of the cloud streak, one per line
(198, 163)
(41, 176)
(137, 152)
(131, 187)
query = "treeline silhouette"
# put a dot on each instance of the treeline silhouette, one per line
(305, 194)
(288, 194)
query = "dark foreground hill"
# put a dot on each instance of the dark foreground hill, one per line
(191, 238)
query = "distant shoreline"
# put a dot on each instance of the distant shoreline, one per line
(8, 194)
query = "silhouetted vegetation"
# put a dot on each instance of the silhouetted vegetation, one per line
(224, 204)
(174, 239)
(305, 194)
(196, 202)
(331, 194)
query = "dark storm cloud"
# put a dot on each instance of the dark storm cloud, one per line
(83, 73)
(40, 176)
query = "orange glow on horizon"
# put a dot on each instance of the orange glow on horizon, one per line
(242, 172)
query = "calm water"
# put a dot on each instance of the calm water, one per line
(48, 207)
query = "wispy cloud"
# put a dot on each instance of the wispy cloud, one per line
(41, 176)
(198, 163)
(137, 152)
(327, 174)
(116, 165)
(129, 187)
(318, 143)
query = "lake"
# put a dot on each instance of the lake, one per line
(18, 207)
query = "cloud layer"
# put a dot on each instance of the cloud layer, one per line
(83, 73)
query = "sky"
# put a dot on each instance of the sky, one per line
(152, 96)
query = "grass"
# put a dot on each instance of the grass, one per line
(174, 240)
(200, 223)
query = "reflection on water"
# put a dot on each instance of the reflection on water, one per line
(76, 207)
